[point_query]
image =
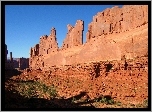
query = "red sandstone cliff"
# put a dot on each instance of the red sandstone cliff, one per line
(74, 36)
(112, 33)
(117, 20)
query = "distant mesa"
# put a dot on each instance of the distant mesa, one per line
(12, 63)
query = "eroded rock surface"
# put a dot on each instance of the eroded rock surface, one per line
(74, 36)
(127, 85)
(113, 34)
(113, 62)
(117, 20)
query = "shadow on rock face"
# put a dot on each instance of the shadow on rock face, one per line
(97, 70)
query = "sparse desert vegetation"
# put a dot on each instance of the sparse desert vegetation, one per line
(110, 70)
(115, 90)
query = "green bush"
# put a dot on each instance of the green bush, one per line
(145, 103)
(105, 100)
(30, 89)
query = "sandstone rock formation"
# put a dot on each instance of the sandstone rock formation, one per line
(111, 66)
(124, 85)
(8, 64)
(113, 34)
(47, 45)
(117, 20)
(20, 63)
(23, 63)
(6, 52)
(74, 36)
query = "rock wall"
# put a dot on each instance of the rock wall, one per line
(122, 85)
(6, 52)
(23, 63)
(117, 20)
(109, 37)
(8, 64)
(74, 36)
(96, 69)
(47, 45)
(16, 63)
(20, 63)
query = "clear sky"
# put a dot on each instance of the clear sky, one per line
(24, 24)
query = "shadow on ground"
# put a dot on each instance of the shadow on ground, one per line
(11, 73)
(14, 100)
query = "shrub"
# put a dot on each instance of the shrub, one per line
(105, 100)
(145, 103)
(31, 89)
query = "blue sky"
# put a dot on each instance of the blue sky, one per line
(24, 24)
